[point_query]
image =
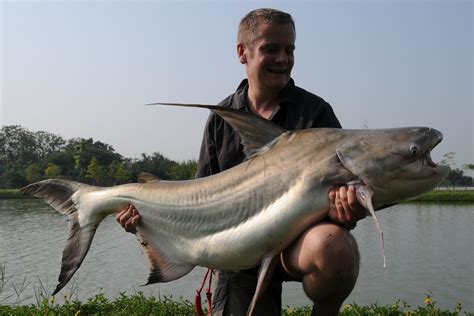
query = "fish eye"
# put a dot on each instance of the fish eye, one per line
(414, 151)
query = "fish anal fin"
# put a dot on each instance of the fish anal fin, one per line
(265, 273)
(145, 177)
(162, 268)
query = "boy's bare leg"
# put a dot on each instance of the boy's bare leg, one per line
(326, 259)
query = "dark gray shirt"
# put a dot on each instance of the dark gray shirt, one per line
(297, 109)
(221, 149)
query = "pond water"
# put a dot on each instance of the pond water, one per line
(429, 249)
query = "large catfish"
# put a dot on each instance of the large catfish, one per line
(247, 215)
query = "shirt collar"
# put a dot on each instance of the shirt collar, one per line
(285, 97)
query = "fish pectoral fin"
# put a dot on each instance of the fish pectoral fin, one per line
(265, 273)
(364, 195)
(145, 177)
(162, 266)
(346, 155)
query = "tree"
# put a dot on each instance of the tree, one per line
(64, 160)
(183, 171)
(94, 171)
(53, 171)
(122, 175)
(111, 171)
(156, 164)
(117, 173)
(47, 143)
(448, 159)
(33, 173)
(22, 153)
(12, 175)
(79, 158)
(85, 149)
(20, 145)
(17, 145)
(456, 177)
(469, 167)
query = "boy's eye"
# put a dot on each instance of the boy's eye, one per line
(270, 49)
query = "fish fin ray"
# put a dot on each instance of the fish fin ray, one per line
(255, 132)
(77, 246)
(265, 273)
(162, 267)
(145, 177)
(56, 192)
(364, 196)
(346, 160)
(59, 194)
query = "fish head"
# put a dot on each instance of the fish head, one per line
(395, 163)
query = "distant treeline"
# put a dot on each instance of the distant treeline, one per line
(27, 157)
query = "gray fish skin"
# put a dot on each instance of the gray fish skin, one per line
(237, 218)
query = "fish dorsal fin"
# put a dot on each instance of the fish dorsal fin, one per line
(255, 132)
(145, 177)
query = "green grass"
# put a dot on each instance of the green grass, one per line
(447, 196)
(138, 304)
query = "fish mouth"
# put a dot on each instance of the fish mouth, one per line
(427, 157)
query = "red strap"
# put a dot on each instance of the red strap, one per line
(209, 295)
(197, 305)
(197, 297)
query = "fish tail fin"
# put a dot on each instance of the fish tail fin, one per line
(59, 194)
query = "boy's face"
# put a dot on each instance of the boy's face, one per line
(269, 59)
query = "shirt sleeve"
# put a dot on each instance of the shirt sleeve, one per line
(208, 163)
(326, 117)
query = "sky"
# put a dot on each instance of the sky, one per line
(86, 68)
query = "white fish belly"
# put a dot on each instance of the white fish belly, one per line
(267, 233)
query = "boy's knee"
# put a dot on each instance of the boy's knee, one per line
(336, 264)
(327, 259)
(332, 242)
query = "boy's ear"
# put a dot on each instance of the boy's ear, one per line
(241, 53)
